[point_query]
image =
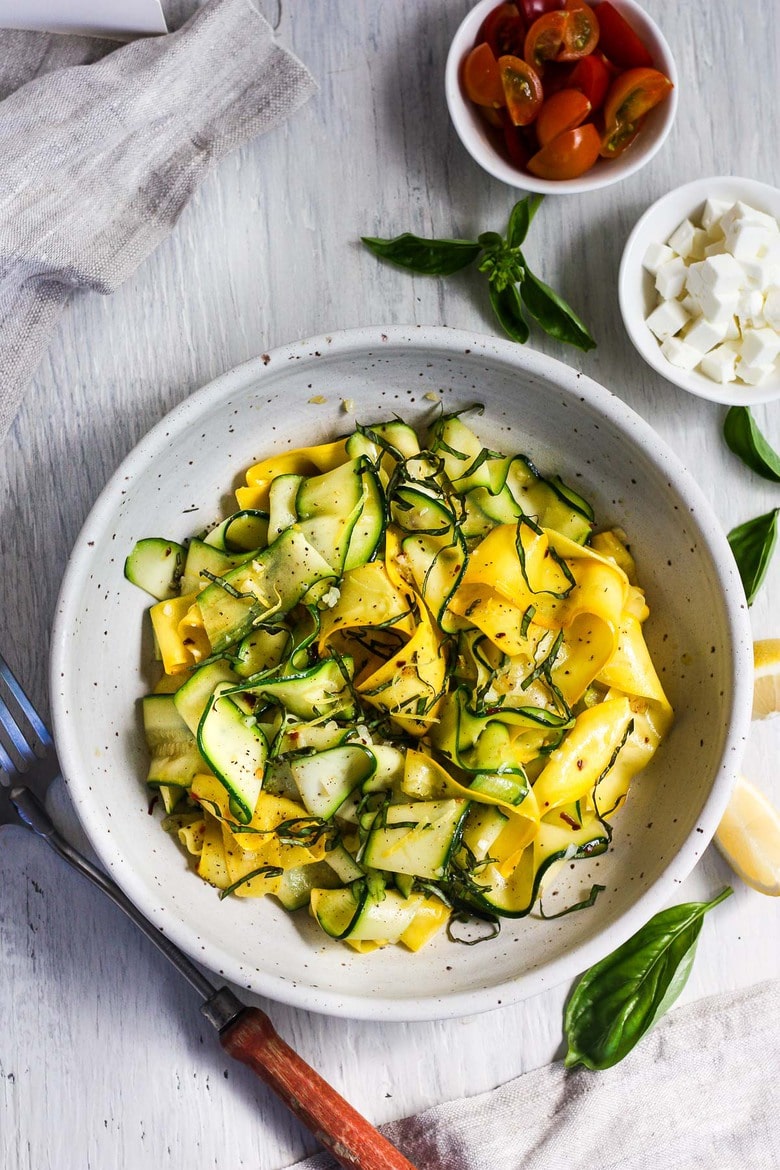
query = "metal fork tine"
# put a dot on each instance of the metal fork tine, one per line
(25, 706)
(6, 764)
(14, 739)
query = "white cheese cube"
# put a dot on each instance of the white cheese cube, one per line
(743, 213)
(655, 256)
(717, 273)
(720, 364)
(772, 307)
(667, 319)
(750, 308)
(670, 278)
(753, 375)
(698, 244)
(717, 306)
(745, 240)
(691, 305)
(716, 249)
(760, 347)
(703, 335)
(685, 357)
(681, 239)
(714, 210)
(733, 331)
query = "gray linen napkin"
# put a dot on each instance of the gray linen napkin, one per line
(99, 159)
(698, 1093)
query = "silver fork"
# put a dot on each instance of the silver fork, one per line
(28, 765)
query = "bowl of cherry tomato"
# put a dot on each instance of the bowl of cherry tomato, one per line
(560, 96)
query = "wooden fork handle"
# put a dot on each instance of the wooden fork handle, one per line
(352, 1140)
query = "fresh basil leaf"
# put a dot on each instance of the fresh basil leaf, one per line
(490, 240)
(427, 257)
(619, 999)
(520, 219)
(509, 310)
(745, 440)
(553, 314)
(752, 544)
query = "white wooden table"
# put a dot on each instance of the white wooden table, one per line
(104, 1060)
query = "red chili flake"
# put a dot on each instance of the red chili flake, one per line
(570, 821)
(580, 764)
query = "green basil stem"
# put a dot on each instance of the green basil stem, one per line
(513, 289)
(752, 544)
(620, 998)
(746, 441)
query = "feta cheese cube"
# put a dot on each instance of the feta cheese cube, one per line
(717, 306)
(741, 212)
(691, 305)
(681, 239)
(670, 278)
(655, 256)
(720, 364)
(703, 335)
(698, 244)
(717, 273)
(750, 308)
(714, 210)
(760, 347)
(772, 307)
(685, 357)
(716, 249)
(667, 319)
(746, 240)
(733, 332)
(753, 375)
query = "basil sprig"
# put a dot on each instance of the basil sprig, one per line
(746, 441)
(619, 999)
(752, 544)
(515, 292)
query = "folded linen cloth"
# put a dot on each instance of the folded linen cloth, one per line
(699, 1092)
(99, 159)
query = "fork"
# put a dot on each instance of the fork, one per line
(28, 765)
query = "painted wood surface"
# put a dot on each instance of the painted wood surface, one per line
(104, 1060)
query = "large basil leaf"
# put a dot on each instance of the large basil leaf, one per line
(619, 999)
(428, 257)
(520, 219)
(507, 307)
(553, 314)
(752, 544)
(745, 440)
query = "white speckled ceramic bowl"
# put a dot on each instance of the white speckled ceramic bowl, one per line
(174, 483)
(636, 288)
(478, 140)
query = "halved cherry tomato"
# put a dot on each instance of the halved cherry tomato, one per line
(632, 94)
(562, 36)
(569, 155)
(563, 111)
(504, 30)
(581, 32)
(482, 77)
(544, 39)
(517, 147)
(522, 89)
(616, 141)
(592, 77)
(619, 41)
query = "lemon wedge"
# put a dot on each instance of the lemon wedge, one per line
(749, 838)
(766, 684)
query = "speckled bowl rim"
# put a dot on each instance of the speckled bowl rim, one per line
(635, 285)
(574, 385)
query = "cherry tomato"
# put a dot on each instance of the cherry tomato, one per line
(615, 141)
(563, 111)
(569, 155)
(504, 30)
(592, 77)
(482, 77)
(619, 41)
(517, 147)
(533, 9)
(562, 36)
(581, 32)
(632, 94)
(522, 89)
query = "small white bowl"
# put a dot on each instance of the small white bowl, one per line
(636, 288)
(475, 135)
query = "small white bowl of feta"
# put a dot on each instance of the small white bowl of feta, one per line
(699, 289)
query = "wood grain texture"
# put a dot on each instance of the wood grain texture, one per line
(104, 1060)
